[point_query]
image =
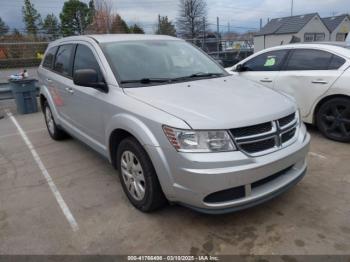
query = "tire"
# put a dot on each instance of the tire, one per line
(138, 176)
(55, 132)
(333, 119)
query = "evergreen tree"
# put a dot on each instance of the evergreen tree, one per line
(51, 26)
(165, 27)
(136, 29)
(119, 26)
(31, 18)
(75, 17)
(3, 28)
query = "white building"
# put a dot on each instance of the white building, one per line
(338, 26)
(302, 28)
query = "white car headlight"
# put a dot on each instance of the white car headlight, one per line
(199, 141)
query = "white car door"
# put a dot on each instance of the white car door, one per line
(307, 75)
(263, 68)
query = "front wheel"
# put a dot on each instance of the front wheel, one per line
(138, 177)
(333, 119)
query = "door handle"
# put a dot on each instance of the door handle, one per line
(70, 90)
(48, 80)
(322, 82)
(266, 80)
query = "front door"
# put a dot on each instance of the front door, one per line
(264, 68)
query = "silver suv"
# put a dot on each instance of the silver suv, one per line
(176, 126)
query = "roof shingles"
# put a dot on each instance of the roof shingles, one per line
(286, 25)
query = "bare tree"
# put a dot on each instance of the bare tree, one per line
(103, 17)
(191, 20)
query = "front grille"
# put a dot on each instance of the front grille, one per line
(288, 135)
(252, 130)
(286, 120)
(266, 137)
(259, 146)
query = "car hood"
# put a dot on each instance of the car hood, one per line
(217, 103)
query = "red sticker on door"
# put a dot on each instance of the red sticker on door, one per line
(57, 99)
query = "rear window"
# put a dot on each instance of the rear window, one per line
(309, 59)
(63, 60)
(49, 58)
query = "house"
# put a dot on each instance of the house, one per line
(292, 29)
(338, 26)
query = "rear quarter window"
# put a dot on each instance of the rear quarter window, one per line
(336, 62)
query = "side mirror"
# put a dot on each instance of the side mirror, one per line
(88, 78)
(239, 68)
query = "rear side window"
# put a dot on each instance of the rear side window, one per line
(63, 60)
(270, 61)
(336, 62)
(50, 57)
(308, 59)
(85, 59)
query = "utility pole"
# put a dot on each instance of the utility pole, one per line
(228, 27)
(261, 23)
(204, 33)
(218, 32)
(291, 9)
(159, 24)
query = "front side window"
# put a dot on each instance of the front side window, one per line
(85, 59)
(307, 59)
(270, 61)
(63, 64)
(49, 58)
(158, 59)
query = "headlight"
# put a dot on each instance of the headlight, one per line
(199, 141)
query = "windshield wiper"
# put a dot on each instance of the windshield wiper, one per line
(146, 80)
(198, 75)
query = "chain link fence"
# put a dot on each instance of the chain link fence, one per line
(22, 53)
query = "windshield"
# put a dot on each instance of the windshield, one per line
(149, 62)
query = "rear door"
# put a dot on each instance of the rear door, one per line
(61, 81)
(264, 68)
(307, 75)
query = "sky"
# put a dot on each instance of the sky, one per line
(234, 15)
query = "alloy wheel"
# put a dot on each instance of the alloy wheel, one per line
(133, 176)
(336, 120)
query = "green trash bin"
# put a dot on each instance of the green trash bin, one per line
(24, 91)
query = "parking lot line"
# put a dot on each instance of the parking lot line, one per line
(27, 132)
(65, 209)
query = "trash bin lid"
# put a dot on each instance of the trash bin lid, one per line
(23, 81)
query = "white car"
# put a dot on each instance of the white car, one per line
(316, 75)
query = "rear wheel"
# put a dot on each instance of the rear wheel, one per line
(54, 131)
(333, 119)
(138, 177)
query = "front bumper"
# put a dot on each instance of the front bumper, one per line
(189, 179)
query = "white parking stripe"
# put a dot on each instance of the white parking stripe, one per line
(27, 132)
(317, 155)
(65, 209)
